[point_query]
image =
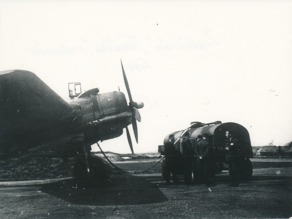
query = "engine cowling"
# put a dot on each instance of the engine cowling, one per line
(104, 115)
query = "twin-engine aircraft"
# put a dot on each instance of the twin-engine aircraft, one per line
(34, 117)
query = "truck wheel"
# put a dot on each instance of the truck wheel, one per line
(219, 166)
(164, 170)
(246, 169)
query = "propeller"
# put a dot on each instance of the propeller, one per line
(129, 140)
(134, 106)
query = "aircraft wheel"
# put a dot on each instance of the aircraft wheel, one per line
(98, 175)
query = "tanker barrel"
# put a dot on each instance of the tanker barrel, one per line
(217, 131)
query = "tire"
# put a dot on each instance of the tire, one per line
(98, 175)
(164, 170)
(246, 169)
(219, 166)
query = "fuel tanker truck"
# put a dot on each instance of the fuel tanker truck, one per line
(216, 132)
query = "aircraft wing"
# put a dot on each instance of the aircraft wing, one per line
(28, 105)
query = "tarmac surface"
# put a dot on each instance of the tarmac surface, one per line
(267, 195)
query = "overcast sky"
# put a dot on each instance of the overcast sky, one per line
(186, 60)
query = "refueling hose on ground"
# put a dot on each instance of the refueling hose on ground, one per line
(132, 172)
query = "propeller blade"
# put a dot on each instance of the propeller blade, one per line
(134, 106)
(137, 115)
(129, 140)
(127, 83)
(135, 128)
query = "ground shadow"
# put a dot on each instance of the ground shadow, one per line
(124, 189)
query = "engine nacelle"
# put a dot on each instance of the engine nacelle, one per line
(104, 115)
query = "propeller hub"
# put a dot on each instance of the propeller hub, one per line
(137, 105)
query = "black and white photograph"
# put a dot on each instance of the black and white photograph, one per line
(145, 109)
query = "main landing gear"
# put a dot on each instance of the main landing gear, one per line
(90, 170)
